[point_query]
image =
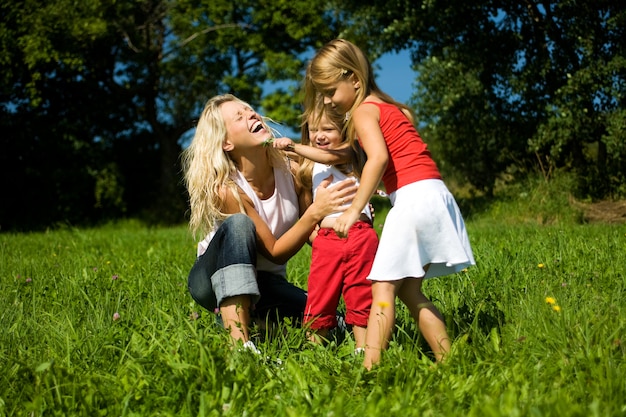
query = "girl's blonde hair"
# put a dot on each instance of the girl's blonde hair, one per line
(305, 168)
(209, 170)
(337, 61)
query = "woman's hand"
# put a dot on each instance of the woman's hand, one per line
(336, 198)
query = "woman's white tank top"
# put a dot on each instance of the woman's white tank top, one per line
(280, 212)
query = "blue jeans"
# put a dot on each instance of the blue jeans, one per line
(228, 269)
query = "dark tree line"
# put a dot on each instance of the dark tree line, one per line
(98, 97)
(507, 87)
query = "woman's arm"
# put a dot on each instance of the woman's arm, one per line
(280, 250)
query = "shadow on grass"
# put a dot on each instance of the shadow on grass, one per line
(473, 206)
(477, 322)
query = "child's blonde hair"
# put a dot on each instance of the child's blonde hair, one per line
(336, 61)
(209, 170)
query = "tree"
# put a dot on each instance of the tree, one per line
(183, 52)
(504, 86)
(56, 107)
(97, 97)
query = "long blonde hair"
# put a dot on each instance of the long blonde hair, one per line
(209, 170)
(336, 61)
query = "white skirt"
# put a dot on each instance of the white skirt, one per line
(424, 226)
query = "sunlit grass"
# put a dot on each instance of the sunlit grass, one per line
(100, 322)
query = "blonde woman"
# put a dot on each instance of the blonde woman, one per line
(253, 213)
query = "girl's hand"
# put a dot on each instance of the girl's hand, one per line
(284, 144)
(344, 222)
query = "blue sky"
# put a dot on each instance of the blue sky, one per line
(395, 76)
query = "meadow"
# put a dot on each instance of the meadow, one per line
(99, 322)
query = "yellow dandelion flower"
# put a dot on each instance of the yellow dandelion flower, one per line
(541, 266)
(556, 308)
(550, 300)
(383, 304)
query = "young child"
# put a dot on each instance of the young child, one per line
(424, 234)
(338, 266)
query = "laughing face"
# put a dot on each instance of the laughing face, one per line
(325, 135)
(244, 126)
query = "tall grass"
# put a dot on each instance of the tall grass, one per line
(538, 328)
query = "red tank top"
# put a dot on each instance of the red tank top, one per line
(409, 157)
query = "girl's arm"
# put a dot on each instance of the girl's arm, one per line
(340, 155)
(366, 121)
(280, 250)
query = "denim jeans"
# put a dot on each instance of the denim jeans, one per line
(228, 268)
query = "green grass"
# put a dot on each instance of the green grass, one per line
(62, 353)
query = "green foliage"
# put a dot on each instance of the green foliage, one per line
(125, 82)
(504, 90)
(48, 35)
(480, 148)
(508, 88)
(286, 108)
(109, 191)
(585, 130)
(534, 201)
(257, 41)
(537, 326)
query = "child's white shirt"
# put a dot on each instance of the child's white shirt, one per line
(321, 172)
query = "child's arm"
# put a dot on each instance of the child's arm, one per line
(323, 156)
(366, 122)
